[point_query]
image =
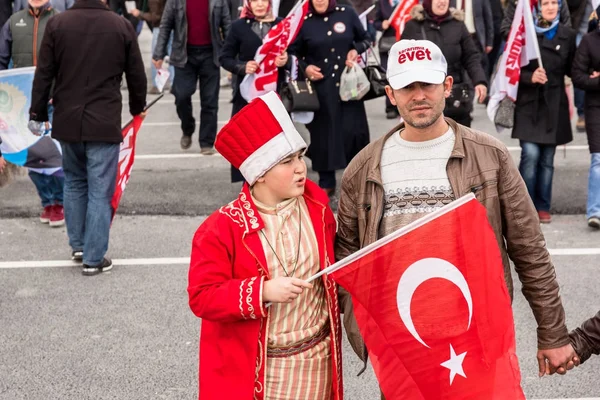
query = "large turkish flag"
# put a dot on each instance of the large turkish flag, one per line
(432, 306)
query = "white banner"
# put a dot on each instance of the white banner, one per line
(521, 47)
(274, 44)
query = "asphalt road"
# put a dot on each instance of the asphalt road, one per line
(130, 335)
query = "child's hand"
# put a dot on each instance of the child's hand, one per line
(283, 289)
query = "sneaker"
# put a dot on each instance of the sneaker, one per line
(45, 216)
(594, 222)
(185, 142)
(154, 90)
(545, 217)
(580, 126)
(207, 151)
(57, 216)
(77, 255)
(105, 266)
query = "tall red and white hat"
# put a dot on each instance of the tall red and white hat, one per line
(258, 137)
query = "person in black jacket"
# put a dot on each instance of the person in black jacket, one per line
(331, 38)
(199, 30)
(542, 119)
(586, 339)
(509, 15)
(444, 26)
(84, 53)
(386, 41)
(586, 76)
(244, 38)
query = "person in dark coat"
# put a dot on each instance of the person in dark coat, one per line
(445, 27)
(586, 339)
(586, 76)
(542, 119)
(244, 38)
(199, 30)
(84, 54)
(386, 41)
(330, 39)
(509, 15)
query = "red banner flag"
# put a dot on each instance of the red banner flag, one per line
(401, 15)
(432, 306)
(126, 158)
(274, 43)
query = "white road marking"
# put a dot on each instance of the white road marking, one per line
(167, 156)
(186, 260)
(172, 123)
(70, 263)
(175, 156)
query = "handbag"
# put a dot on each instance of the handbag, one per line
(386, 43)
(377, 77)
(505, 115)
(461, 98)
(299, 95)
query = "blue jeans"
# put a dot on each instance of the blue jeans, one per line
(537, 169)
(49, 188)
(155, 33)
(200, 66)
(90, 178)
(593, 201)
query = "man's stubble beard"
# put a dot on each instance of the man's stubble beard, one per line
(423, 124)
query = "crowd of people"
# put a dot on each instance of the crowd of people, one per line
(251, 258)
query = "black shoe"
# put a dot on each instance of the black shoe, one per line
(185, 142)
(105, 266)
(594, 222)
(391, 114)
(77, 255)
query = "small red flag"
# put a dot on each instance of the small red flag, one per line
(126, 158)
(401, 15)
(432, 306)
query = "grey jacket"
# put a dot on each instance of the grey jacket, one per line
(484, 21)
(174, 19)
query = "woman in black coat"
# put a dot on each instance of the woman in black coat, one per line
(387, 40)
(331, 38)
(586, 76)
(542, 118)
(244, 38)
(445, 27)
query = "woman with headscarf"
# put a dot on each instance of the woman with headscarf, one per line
(586, 76)
(542, 119)
(244, 38)
(331, 38)
(434, 20)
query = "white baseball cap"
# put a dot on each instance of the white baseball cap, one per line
(415, 61)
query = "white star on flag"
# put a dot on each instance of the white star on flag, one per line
(454, 364)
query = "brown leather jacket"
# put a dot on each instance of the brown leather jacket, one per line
(480, 164)
(586, 340)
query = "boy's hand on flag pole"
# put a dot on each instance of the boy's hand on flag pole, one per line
(283, 289)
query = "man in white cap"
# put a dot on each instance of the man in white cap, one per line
(259, 249)
(428, 161)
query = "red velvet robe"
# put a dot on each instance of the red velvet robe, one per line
(228, 267)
